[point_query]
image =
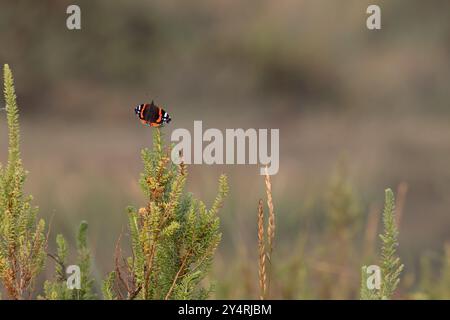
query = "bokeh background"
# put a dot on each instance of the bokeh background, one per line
(358, 111)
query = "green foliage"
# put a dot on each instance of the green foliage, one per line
(342, 225)
(22, 236)
(426, 285)
(391, 267)
(444, 289)
(108, 286)
(84, 262)
(434, 285)
(57, 289)
(343, 212)
(173, 238)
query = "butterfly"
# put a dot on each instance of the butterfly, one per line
(151, 115)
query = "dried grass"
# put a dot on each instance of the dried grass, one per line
(265, 252)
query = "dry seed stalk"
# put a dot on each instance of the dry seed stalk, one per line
(271, 224)
(265, 251)
(262, 252)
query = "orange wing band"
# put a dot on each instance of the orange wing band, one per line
(159, 116)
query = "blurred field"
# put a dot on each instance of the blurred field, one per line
(376, 101)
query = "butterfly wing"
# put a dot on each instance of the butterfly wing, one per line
(149, 113)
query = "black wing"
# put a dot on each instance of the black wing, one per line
(150, 113)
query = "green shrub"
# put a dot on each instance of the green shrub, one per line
(390, 262)
(22, 238)
(58, 289)
(173, 238)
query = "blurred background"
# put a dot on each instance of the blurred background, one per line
(358, 111)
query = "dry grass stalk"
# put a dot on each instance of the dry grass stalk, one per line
(262, 252)
(265, 251)
(271, 223)
(180, 270)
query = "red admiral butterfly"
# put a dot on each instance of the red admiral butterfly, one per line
(151, 115)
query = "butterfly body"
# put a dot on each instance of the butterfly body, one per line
(151, 115)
